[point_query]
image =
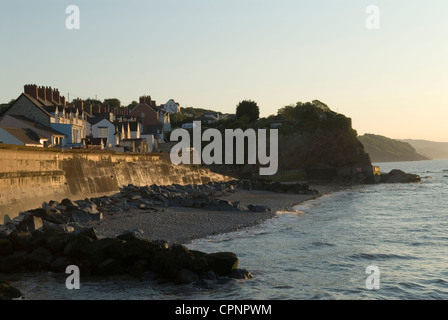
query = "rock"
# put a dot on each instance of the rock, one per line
(110, 267)
(80, 216)
(69, 204)
(258, 208)
(241, 274)
(222, 263)
(78, 246)
(131, 234)
(96, 216)
(40, 258)
(139, 268)
(186, 276)
(208, 275)
(89, 232)
(60, 264)
(51, 229)
(398, 176)
(57, 243)
(8, 292)
(5, 247)
(22, 241)
(14, 262)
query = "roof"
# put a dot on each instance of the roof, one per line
(133, 125)
(36, 125)
(27, 136)
(95, 120)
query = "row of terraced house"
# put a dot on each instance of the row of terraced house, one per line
(42, 117)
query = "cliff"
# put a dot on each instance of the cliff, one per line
(431, 149)
(383, 149)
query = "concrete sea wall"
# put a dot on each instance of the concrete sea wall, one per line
(30, 176)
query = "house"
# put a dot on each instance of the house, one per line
(171, 107)
(21, 137)
(54, 137)
(209, 118)
(47, 107)
(98, 128)
(95, 143)
(154, 120)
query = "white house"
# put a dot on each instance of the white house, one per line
(102, 128)
(171, 106)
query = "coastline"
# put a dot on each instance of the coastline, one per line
(182, 225)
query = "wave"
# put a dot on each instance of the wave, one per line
(379, 256)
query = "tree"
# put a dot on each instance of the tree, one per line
(249, 110)
(132, 105)
(113, 102)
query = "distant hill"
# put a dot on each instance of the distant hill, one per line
(431, 149)
(383, 149)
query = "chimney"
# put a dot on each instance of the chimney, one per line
(56, 97)
(42, 93)
(31, 89)
(49, 94)
(63, 101)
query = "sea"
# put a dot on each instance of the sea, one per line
(370, 242)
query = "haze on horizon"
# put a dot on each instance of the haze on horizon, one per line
(214, 54)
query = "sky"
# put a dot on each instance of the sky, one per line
(212, 54)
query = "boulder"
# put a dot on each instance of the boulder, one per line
(5, 247)
(186, 276)
(241, 274)
(51, 229)
(40, 258)
(14, 262)
(222, 263)
(57, 243)
(398, 176)
(110, 267)
(8, 292)
(258, 208)
(80, 216)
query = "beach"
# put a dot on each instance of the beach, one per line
(182, 225)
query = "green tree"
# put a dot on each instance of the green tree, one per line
(132, 105)
(113, 102)
(247, 110)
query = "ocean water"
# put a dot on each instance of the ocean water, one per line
(321, 251)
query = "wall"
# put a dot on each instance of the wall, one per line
(30, 176)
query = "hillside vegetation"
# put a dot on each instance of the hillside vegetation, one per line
(383, 149)
(431, 149)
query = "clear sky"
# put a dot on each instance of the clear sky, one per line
(216, 53)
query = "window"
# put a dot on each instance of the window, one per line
(103, 132)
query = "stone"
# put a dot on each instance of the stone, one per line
(241, 274)
(40, 258)
(258, 208)
(52, 229)
(80, 216)
(8, 292)
(208, 275)
(222, 263)
(131, 234)
(22, 241)
(60, 264)
(5, 247)
(14, 262)
(110, 267)
(139, 268)
(57, 243)
(78, 246)
(69, 204)
(185, 276)
(398, 176)
(96, 216)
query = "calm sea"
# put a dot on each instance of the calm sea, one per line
(321, 251)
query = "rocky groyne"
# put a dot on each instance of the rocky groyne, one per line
(58, 235)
